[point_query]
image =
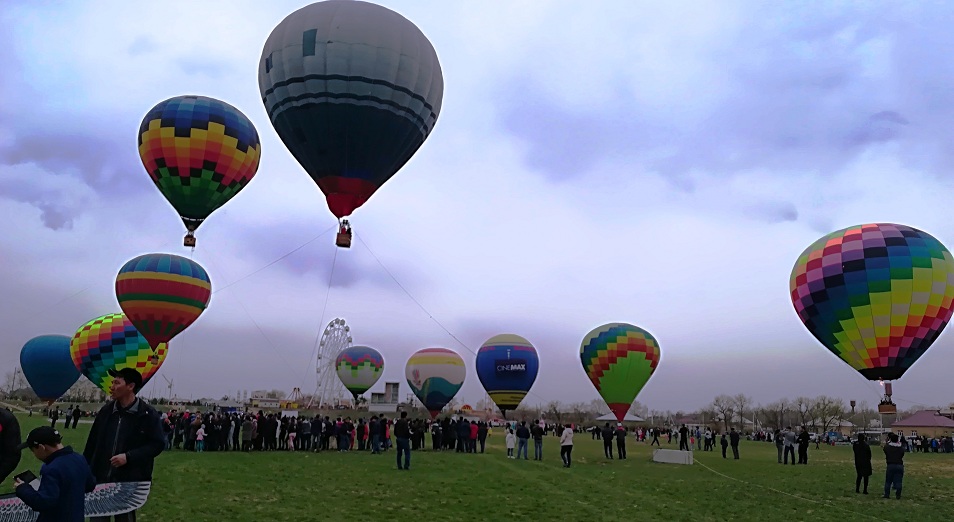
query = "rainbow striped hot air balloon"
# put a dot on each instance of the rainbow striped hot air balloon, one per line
(200, 152)
(162, 294)
(875, 295)
(111, 342)
(435, 375)
(619, 359)
(507, 366)
(359, 367)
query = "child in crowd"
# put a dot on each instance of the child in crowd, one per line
(511, 442)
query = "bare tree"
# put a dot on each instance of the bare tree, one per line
(803, 407)
(725, 407)
(638, 409)
(740, 404)
(829, 411)
(554, 412)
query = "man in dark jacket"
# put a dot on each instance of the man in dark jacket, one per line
(402, 432)
(803, 439)
(537, 433)
(620, 441)
(734, 442)
(9, 441)
(894, 473)
(126, 436)
(607, 435)
(66, 478)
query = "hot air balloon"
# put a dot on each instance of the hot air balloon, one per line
(435, 375)
(353, 90)
(48, 367)
(359, 367)
(162, 294)
(619, 359)
(111, 342)
(199, 152)
(507, 365)
(875, 295)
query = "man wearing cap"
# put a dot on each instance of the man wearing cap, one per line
(126, 436)
(66, 478)
(9, 440)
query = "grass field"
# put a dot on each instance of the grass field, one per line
(448, 486)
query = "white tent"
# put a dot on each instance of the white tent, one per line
(611, 417)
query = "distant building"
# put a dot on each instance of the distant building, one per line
(924, 422)
(386, 402)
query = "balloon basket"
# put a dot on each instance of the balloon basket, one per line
(887, 408)
(189, 240)
(343, 240)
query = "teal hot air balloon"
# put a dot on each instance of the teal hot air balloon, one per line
(435, 375)
(48, 366)
(353, 90)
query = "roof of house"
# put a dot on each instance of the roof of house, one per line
(925, 419)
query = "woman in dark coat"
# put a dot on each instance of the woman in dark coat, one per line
(862, 462)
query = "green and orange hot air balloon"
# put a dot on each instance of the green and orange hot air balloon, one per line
(162, 294)
(619, 359)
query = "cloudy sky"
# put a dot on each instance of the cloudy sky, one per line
(593, 162)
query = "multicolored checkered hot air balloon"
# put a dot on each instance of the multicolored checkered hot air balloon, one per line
(435, 375)
(507, 366)
(48, 367)
(162, 294)
(875, 295)
(359, 367)
(353, 90)
(111, 342)
(619, 359)
(199, 152)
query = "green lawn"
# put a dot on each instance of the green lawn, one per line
(448, 486)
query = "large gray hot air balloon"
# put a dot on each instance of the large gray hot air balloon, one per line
(353, 89)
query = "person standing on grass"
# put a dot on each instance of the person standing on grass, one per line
(684, 438)
(655, 438)
(734, 437)
(9, 442)
(803, 440)
(620, 441)
(606, 433)
(482, 430)
(537, 433)
(566, 445)
(894, 473)
(511, 440)
(523, 440)
(788, 437)
(402, 432)
(725, 444)
(779, 444)
(862, 452)
(200, 439)
(126, 437)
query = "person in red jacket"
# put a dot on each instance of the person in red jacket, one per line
(472, 447)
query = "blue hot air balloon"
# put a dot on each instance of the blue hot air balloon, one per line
(48, 366)
(507, 365)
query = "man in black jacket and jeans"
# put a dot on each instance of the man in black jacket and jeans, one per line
(125, 438)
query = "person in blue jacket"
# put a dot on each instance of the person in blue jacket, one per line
(65, 478)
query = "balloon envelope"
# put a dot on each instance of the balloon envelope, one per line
(359, 367)
(111, 342)
(48, 367)
(507, 366)
(162, 294)
(435, 375)
(619, 359)
(353, 90)
(875, 295)
(199, 152)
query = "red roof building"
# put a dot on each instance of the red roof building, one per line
(924, 422)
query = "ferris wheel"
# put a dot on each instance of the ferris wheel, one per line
(335, 338)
